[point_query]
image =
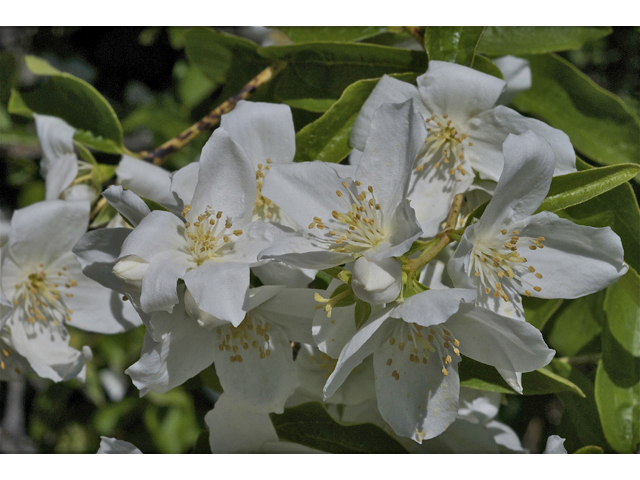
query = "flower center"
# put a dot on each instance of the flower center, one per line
(250, 337)
(263, 208)
(209, 236)
(496, 262)
(40, 297)
(445, 141)
(420, 342)
(360, 228)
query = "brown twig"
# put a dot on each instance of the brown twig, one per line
(158, 155)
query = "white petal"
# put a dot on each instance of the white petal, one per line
(183, 183)
(278, 273)
(291, 309)
(255, 237)
(304, 190)
(158, 232)
(112, 445)
(576, 260)
(477, 406)
(301, 252)
(59, 163)
(146, 179)
(525, 180)
(388, 90)
(505, 437)
(403, 230)
(440, 305)
(517, 73)
(96, 308)
(263, 130)
(260, 377)
(332, 334)
(555, 444)
(80, 193)
(180, 355)
(490, 128)
(460, 92)
(513, 379)
(49, 353)
(397, 133)
(129, 272)
(361, 345)
(226, 180)
(233, 429)
(461, 437)
(377, 282)
(36, 235)
(419, 401)
(220, 289)
(98, 251)
(159, 285)
(127, 203)
(499, 341)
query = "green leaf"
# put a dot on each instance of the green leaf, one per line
(619, 408)
(452, 44)
(225, 59)
(327, 139)
(154, 205)
(622, 306)
(577, 324)
(362, 312)
(72, 99)
(581, 412)
(578, 187)
(617, 387)
(309, 424)
(532, 40)
(330, 34)
(103, 172)
(484, 377)
(589, 449)
(598, 123)
(538, 311)
(617, 209)
(484, 65)
(325, 69)
(17, 106)
(318, 105)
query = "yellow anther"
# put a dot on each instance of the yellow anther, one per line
(389, 361)
(537, 289)
(445, 372)
(339, 193)
(503, 231)
(392, 341)
(237, 233)
(538, 275)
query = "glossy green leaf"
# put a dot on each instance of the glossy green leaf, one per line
(619, 407)
(622, 306)
(581, 412)
(538, 311)
(309, 424)
(577, 324)
(362, 313)
(330, 34)
(325, 69)
(318, 105)
(533, 40)
(71, 99)
(484, 377)
(590, 449)
(618, 209)
(327, 139)
(598, 123)
(225, 59)
(97, 142)
(154, 205)
(578, 187)
(485, 65)
(452, 44)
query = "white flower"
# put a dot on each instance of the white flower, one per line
(113, 445)
(42, 279)
(367, 219)
(465, 134)
(253, 360)
(416, 354)
(60, 165)
(233, 429)
(511, 252)
(212, 248)
(516, 73)
(555, 444)
(266, 133)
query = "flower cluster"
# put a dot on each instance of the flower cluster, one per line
(219, 268)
